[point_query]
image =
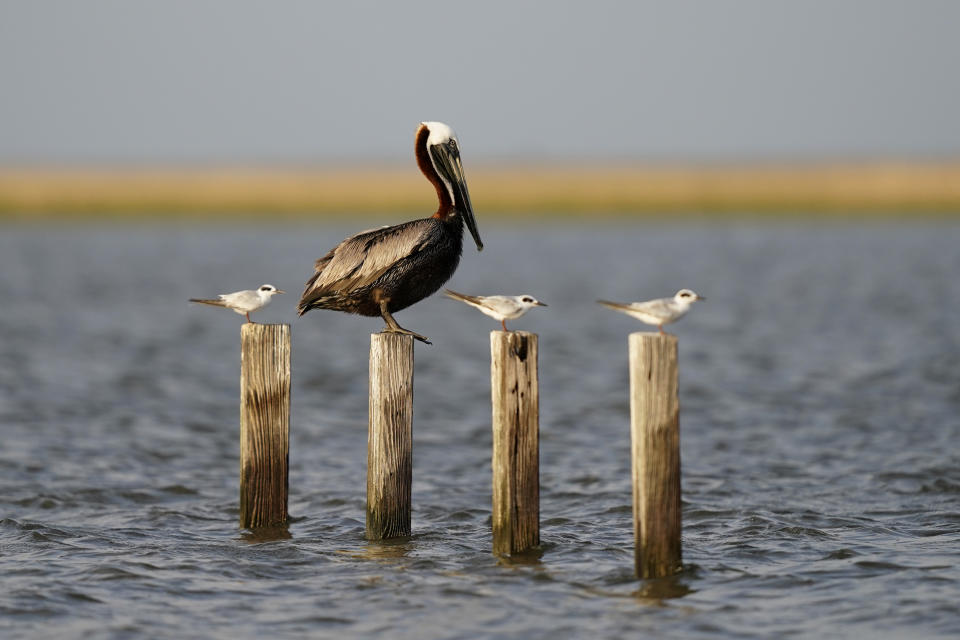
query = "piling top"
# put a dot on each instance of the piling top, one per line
(247, 327)
(386, 336)
(653, 337)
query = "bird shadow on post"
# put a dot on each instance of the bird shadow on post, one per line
(390, 436)
(655, 454)
(264, 425)
(516, 447)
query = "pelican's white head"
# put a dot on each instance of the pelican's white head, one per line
(440, 133)
(438, 154)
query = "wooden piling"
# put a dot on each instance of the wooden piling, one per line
(655, 453)
(390, 436)
(516, 441)
(264, 424)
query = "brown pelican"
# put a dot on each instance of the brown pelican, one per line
(382, 271)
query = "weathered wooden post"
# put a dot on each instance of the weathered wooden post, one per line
(655, 453)
(264, 424)
(390, 436)
(516, 441)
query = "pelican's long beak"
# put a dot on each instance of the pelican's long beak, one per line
(461, 188)
(449, 161)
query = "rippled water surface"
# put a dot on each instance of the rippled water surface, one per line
(820, 415)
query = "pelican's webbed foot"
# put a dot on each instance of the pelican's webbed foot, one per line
(406, 332)
(393, 327)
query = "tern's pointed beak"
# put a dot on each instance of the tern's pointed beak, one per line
(542, 304)
(447, 159)
(699, 297)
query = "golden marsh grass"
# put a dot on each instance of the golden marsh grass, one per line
(872, 188)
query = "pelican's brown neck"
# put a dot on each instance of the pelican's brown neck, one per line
(426, 166)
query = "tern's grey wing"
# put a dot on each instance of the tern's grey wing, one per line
(216, 303)
(242, 299)
(505, 304)
(359, 260)
(464, 297)
(616, 306)
(660, 308)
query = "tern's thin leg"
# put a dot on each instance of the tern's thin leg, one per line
(393, 327)
(660, 327)
(504, 323)
(248, 317)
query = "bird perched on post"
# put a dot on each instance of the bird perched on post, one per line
(243, 302)
(657, 312)
(501, 308)
(382, 271)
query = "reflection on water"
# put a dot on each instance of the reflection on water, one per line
(527, 558)
(820, 410)
(387, 550)
(266, 534)
(659, 589)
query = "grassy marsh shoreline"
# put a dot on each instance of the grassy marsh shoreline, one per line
(881, 189)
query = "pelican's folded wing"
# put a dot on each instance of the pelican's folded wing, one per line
(359, 260)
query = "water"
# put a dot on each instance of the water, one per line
(820, 395)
